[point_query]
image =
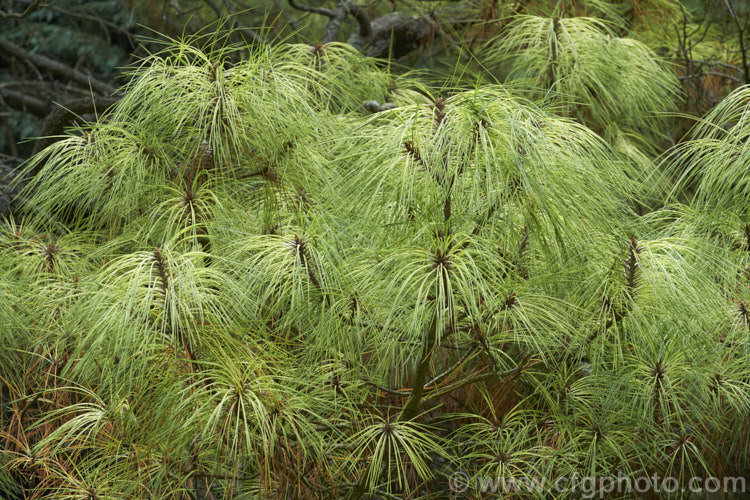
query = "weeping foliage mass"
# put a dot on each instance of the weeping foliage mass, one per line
(241, 284)
(615, 85)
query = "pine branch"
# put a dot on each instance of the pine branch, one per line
(23, 14)
(411, 408)
(451, 368)
(12, 50)
(336, 16)
(61, 116)
(24, 102)
(313, 10)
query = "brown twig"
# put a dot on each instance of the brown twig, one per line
(21, 15)
(313, 10)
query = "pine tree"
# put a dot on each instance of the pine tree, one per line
(242, 282)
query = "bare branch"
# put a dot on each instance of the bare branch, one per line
(394, 35)
(63, 115)
(23, 102)
(83, 14)
(313, 10)
(709, 73)
(450, 369)
(715, 63)
(337, 15)
(21, 15)
(8, 48)
(741, 37)
(392, 392)
(331, 30)
(248, 34)
(360, 15)
(334, 25)
(510, 374)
